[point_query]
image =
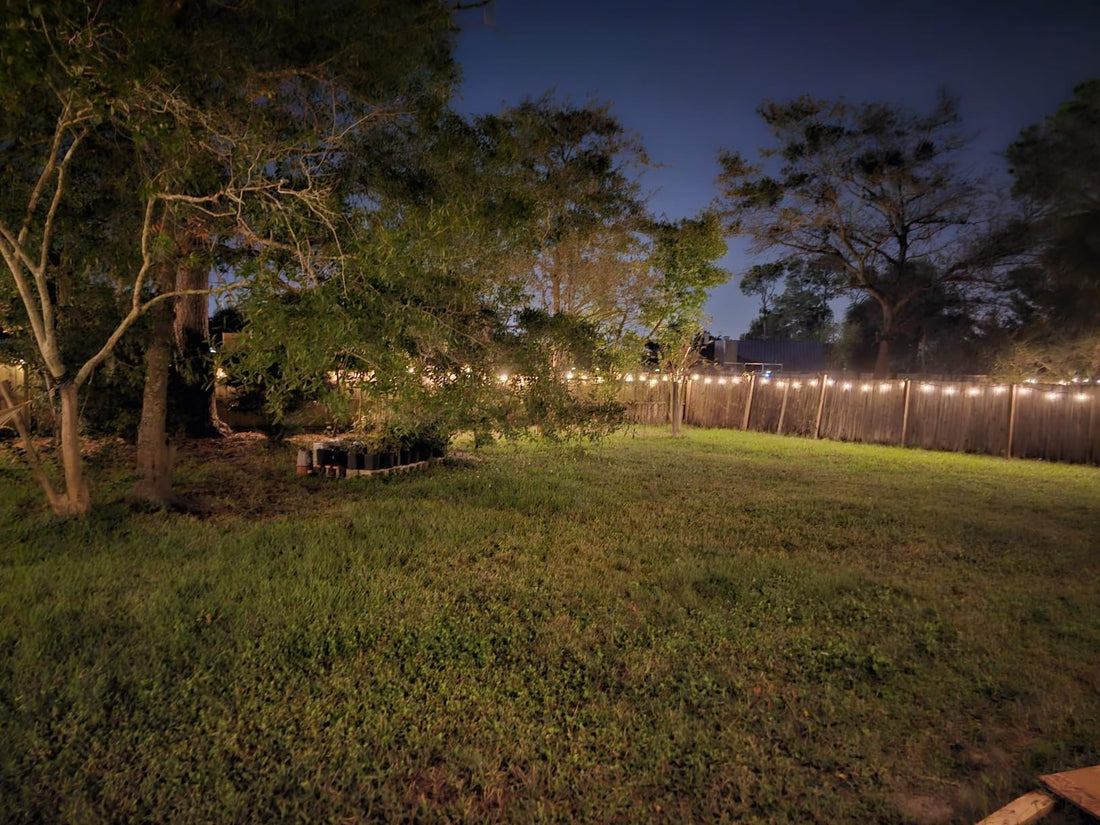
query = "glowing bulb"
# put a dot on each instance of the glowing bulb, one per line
(722, 381)
(695, 376)
(707, 380)
(948, 390)
(846, 386)
(797, 385)
(973, 391)
(503, 378)
(884, 387)
(866, 388)
(926, 388)
(629, 377)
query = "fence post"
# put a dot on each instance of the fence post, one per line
(905, 414)
(748, 404)
(821, 405)
(783, 408)
(1011, 420)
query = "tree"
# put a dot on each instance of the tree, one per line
(868, 190)
(231, 117)
(682, 257)
(570, 169)
(1056, 295)
(763, 280)
(801, 311)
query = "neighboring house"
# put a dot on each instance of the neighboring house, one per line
(766, 356)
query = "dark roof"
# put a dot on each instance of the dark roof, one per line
(791, 356)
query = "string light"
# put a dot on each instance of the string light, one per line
(865, 388)
(948, 390)
(1081, 397)
(569, 375)
(846, 386)
(797, 385)
(503, 378)
(1052, 396)
(695, 376)
(813, 382)
(707, 380)
(830, 382)
(926, 388)
(736, 380)
(722, 381)
(998, 390)
(884, 387)
(629, 378)
(653, 382)
(973, 391)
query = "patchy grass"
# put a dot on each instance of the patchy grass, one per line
(725, 626)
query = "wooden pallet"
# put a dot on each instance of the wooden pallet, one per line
(1081, 787)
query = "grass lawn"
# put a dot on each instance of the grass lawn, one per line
(728, 626)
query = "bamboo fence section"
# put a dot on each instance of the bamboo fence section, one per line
(1047, 421)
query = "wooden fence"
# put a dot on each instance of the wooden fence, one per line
(1049, 421)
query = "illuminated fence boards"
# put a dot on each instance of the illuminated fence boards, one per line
(1049, 421)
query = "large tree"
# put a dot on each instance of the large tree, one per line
(232, 118)
(868, 189)
(573, 171)
(1056, 169)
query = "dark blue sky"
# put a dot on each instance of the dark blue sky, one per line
(688, 75)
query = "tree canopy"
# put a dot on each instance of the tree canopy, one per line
(1055, 166)
(868, 189)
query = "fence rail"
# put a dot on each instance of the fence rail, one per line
(1048, 421)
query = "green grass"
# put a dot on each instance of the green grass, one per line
(725, 626)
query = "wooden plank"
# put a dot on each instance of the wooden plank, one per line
(1031, 807)
(1081, 787)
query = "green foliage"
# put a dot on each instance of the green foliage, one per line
(682, 258)
(801, 311)
(571, 172)
(538, 635)
(1056, 299)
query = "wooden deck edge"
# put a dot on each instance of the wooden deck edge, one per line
(1031, 807)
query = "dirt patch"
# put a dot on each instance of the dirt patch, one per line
(926, 809)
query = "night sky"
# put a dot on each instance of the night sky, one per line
(688, 75)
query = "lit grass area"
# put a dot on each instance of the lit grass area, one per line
(723, 626)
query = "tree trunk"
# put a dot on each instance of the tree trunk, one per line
(192, 386)
(75, 501)
(154, 458)
(882, 360)
(886, 335)
(676, 411)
